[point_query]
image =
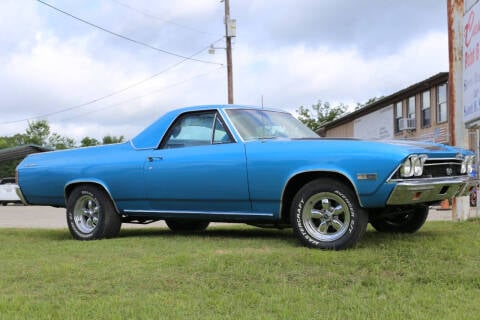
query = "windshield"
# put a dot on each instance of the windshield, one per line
(254, 124)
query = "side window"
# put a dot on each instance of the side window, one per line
(220, 135)
(398, 116)
(426, 109)
(196, 129)
(442, 111)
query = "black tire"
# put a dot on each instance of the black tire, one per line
(91, 214)
(408, 220)
(325, 214)
(184, 226)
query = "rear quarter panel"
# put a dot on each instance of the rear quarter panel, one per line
(44, 177)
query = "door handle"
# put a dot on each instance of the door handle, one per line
(151, 159)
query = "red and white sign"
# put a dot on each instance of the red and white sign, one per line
(471, 64)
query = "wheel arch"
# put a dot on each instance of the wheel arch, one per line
(300, 179)
(70, 186)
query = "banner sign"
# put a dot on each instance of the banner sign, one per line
(471, 64)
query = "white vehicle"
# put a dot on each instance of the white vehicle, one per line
(7, 191)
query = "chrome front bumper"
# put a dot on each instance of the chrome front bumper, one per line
(430, 190)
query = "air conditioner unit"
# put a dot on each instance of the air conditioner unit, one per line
(407, 124)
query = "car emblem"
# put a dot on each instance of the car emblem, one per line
(449, 171)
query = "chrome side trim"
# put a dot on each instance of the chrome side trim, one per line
(442, 163)
(216, 213)
(366, 176)
(19, 193)
(139, 149)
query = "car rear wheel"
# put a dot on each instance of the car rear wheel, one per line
(186, 225)
(91, 214)
(325, 214)
(407, 220)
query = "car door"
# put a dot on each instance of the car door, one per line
(198, 168)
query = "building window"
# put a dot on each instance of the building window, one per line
(398, 116)
(442, 114)
(426, 109)
(411, 110)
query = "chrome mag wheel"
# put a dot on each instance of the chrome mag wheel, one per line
(86, 213)
(91, 213)
(326, 216)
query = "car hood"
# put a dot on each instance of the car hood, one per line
(380, 148)
(430, 146)
(413, 146)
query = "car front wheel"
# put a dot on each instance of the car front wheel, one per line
(405, 220)
(91, 214)
(325, 214)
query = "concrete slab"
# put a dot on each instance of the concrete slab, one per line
(18, 216)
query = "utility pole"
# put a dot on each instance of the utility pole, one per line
(230, 32)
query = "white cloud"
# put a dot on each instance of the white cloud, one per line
(50, 62)
(291, 75)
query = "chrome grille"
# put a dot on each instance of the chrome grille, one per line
(437, 168)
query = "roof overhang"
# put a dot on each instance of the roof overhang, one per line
(21, 152)
(388, 100)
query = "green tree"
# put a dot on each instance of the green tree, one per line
(368, 102)
(59, 142)
(37, 132)
(319, 114)
(13, 141)
(112, 139)
(87, 142)
(7, 168)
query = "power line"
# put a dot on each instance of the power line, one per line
(154, 17)
(144, 95)
(112, 93)
(125, 37)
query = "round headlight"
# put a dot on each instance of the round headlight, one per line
(407, 168)
(469, 164)
(417, 166)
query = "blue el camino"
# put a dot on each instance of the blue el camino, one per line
(231, 163)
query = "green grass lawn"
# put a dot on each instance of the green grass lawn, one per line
(240, 272)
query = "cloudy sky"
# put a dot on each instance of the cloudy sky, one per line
(87, 82)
